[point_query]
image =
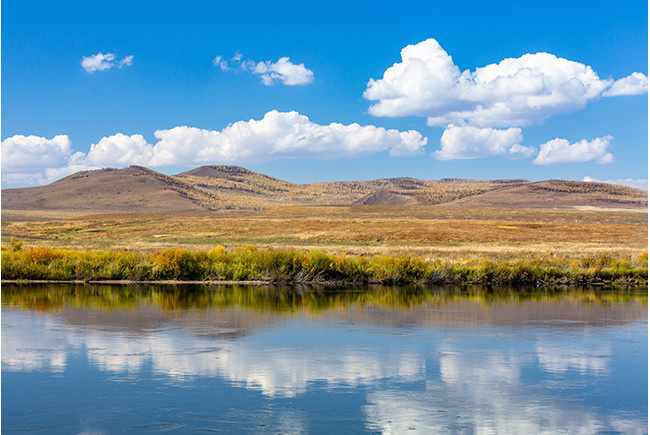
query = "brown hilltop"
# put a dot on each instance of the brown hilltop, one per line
(117, 190)
(138, 189)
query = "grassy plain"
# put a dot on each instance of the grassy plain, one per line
(426, 232)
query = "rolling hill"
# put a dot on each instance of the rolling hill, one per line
(138, 189)
(116, 190)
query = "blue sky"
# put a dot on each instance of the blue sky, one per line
(164, 101)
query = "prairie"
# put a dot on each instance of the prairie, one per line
(510, 225)
(451, 231)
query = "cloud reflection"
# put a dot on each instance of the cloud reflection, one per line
(22, 350)
(256, 363)
(558, 359)
(489, 395)
(453, 386)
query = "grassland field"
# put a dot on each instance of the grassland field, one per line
(427, 232)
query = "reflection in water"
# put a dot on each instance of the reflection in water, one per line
(500, 409)
(47, 297)
(559, 359)
(274, 367)
(441, 360)
(28, 350)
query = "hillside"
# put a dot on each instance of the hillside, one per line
(232, 187)
(130, 189)
(138, 189)
(560, 194)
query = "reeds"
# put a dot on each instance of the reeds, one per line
(247, 262)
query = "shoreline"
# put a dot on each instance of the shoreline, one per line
(249, 265)
(597, 282)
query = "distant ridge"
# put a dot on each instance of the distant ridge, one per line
(219, 187)
(560, 194)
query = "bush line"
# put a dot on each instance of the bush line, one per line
(292, 266)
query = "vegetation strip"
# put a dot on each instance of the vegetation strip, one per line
(248, 263)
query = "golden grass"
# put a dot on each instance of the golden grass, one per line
(424, 231)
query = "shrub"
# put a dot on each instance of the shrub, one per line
(250, 263)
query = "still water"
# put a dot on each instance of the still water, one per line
(102, 359)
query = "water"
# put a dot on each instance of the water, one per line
(101, 359)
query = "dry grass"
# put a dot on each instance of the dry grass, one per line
(424, 231)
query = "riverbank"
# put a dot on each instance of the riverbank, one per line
(249, 264)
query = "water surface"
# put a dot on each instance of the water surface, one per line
(102, 359)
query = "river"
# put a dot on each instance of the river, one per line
(106, 359)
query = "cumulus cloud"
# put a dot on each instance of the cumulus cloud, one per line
(562, 151)
(102, 62)
(277, 135)
(467, 142)
(26, 158)
(283, 70)
(120, 150)
(634, 84)
(26, 152)
(636, 183)
(514, 92)
(76, 163)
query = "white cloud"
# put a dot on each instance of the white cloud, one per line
(218, 61)
(26, 158)
(76, 162)
(562, 151)
(636, 183)
(35, 160)
(23, 152)
(120, 150)
(634, 84)
(283, 70)
(126, 61)
(467, 142)
(279, 135)
(514, 92)
(102, 62)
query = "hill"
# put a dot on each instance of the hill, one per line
(383, 197)
(138, 189)
(560, 194)
(120, 190)
(233, 187)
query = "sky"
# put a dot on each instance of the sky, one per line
(327, 91)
